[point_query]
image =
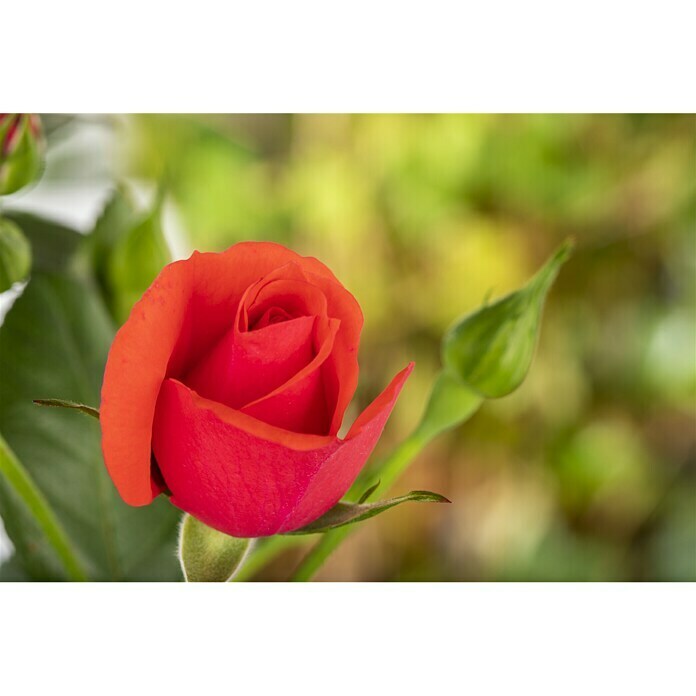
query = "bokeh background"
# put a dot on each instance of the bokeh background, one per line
(588, 471)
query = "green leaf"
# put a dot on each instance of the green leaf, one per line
(126, 250)
(53, 245)
(12, 571)
(450, 404)
(135, 259)
(118, 217)
(54, 341)
(491, 349)
(344, 513)
(207, 555)
(15, 255)
(16, 477)
(62, 403)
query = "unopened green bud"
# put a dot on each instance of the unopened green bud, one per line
(21, 151)
(491, 349)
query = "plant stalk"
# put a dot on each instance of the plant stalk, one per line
(23, 485)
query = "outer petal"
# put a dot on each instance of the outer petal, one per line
(188, 307)
(338, 472)
(249, 479)
(138, 362)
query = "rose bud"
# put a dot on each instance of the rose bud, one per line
(21, 151)
(491, 349)
(226, 388)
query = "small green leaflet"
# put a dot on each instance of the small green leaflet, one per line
(344, 513)
(62, 403)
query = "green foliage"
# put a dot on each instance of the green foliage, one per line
(54, 341)
(21, 484)
(15, 255)
(12, 571)
(119, 216)
(671, 548)
(207, 555)
(605, 474)
(53, 246)
(345, 513)
(222, 190)
(491, 349)
(127, 252)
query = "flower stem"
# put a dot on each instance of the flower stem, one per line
(20, 481)
(264, 551)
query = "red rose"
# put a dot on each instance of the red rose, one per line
(227, 387)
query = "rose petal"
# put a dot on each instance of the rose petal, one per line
(244, 366)
(272, 315)
(299, 404)
(249, 479)
(338, 472)
(286, 290)
(137, 364)
(340, 373)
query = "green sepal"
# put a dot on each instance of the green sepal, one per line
(15, 255)
(207, 555)
(344, 513)
(369, 491)
(491, 349)
(62, 403)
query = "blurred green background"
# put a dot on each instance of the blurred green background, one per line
(588, 471)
